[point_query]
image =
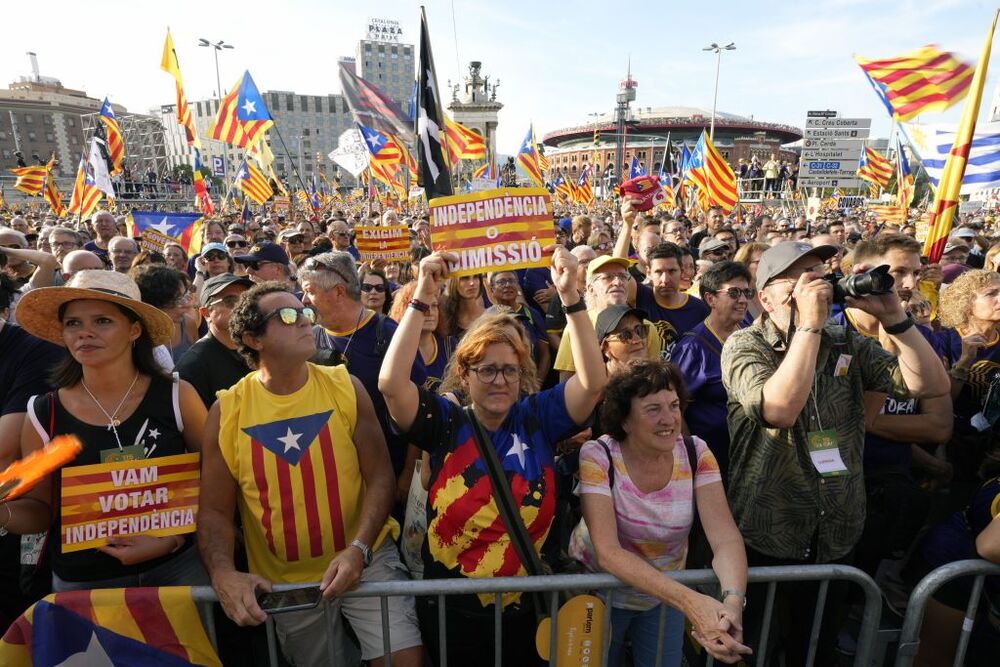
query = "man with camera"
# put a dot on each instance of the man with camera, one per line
(796, 387)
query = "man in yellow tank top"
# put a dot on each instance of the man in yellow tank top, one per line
(298, 449)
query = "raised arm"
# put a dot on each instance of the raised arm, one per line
(401, 395)
(585, 388)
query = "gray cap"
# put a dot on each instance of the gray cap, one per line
(216, 284)
(778, 258)
(965, 233)
(955, 246)
(610, 317)
(711, 245)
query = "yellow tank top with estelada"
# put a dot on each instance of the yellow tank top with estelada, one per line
(300, 482)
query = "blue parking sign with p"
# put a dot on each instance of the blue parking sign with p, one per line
(218, 165)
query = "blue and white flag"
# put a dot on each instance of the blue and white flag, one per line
(933, 142)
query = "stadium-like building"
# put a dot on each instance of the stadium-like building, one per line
(736, 137)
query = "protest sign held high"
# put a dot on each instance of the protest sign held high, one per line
(390, 243)
(495, 229)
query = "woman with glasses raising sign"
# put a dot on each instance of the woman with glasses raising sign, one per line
(466, 534)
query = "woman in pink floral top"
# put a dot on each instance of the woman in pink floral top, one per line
(637, 520)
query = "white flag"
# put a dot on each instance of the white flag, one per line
(933, 143)
(351, 152)
(99, 167)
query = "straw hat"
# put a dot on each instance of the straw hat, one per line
(38, 310)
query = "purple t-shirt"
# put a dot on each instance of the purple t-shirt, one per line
(982, 372)
(672, 323)
(698, 355)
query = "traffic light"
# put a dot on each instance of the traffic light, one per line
(597, 136)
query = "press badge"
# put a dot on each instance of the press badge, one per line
(115, 455)
(824, 451)
(843, 365)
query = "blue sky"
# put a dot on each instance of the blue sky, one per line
(556, 61)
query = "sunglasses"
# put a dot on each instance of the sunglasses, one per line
(735, 292)
(313, 264)
(236, 244)
(639, 331)
(255, 266)
(211, 256)
(290, 315)
(380, 288)
(295, 239)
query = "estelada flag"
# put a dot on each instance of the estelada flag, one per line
(185, 227)
(121, 626)
(243, 117)
(30, 180)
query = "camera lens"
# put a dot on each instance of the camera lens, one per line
(873, 281)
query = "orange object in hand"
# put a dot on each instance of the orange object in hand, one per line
(21, 476)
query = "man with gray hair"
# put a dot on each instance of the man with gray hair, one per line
(348, 333)
(122, 251)
(105, 229)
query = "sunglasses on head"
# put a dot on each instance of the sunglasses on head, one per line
(313, 264)
(367, 287)
(290, 316)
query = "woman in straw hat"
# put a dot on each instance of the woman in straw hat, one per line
(117, 400)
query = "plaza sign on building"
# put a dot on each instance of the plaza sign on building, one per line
(384, 30)
(831, 150)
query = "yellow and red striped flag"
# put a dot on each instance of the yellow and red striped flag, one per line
(874, 168)
(30, 180)
(950, 185)
(904, 178)
(86, 194)
(243, 117)
(170, 65)
(888, 213)
(918, 81)
(53, 196)
(116, 142)
(253, 183)
(712, 174)
(463, 143)
(562, 187)
(528, 156)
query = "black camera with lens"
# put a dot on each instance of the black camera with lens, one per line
(874, 281)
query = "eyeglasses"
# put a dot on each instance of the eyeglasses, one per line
(64, 244)
(236, 244)
(290, 315)
(294, 239)
(736, 292)
(313, 264)
(255, 266)
(505, 282)
(340, 233)
(211, 256)
(226, 301)
(488, 374)
(366, 287)
(639, 331)
(611, 277)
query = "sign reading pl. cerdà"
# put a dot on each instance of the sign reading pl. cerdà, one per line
(384, 30)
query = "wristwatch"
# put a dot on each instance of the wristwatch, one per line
(366, 553)
(734, 593)
(574, 308)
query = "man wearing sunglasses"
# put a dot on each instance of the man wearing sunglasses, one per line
(212, 362)
(266, 261)
(298, 448)
(340, 234)
(353, 335)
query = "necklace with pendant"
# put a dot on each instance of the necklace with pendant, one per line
(113, 421)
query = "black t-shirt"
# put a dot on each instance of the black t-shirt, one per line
(210, 366)
(154, 424)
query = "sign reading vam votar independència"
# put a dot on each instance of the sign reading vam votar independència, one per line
(104, 501)
(494, 230)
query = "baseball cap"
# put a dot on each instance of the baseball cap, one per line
(566, 224)
(965, 233)
(604, 260)
(264, 251)
(778, 258)
(610, 317)
(216, 284)
(711, 245)
(289, 233)
(955, 246)
(209, 247)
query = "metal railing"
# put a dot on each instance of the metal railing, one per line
(909, 639)
(552, 585)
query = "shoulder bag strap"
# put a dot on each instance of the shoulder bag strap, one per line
(611, 462)
(505, 500)
(693, 462)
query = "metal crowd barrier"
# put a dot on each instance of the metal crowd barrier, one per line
(909, 639)
(204, 596)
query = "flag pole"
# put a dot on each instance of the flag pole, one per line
(294, 170)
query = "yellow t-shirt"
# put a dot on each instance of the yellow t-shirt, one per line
(297, 468)
(564, 357)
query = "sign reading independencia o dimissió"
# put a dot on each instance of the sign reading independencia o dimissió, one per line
(494, 230)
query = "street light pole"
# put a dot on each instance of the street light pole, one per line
(718, 65)
(216, 47)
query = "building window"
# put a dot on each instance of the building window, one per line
(274, 100)
(304, 100)
(7, 155)
(31, 136)
(47, 119)
(71, 121)
(290, 102)
(49, 137)
(28, 118)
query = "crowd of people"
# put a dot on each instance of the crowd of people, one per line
(679, 389)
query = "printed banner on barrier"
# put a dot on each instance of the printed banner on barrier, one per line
(494, 230)
(103, 501)
(391, 243)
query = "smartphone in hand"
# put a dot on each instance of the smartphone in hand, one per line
(295, 599)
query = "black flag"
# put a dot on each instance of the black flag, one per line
(434, 173)
(371, 107)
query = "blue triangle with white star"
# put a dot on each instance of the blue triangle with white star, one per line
(249, 104)
(289, 438)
